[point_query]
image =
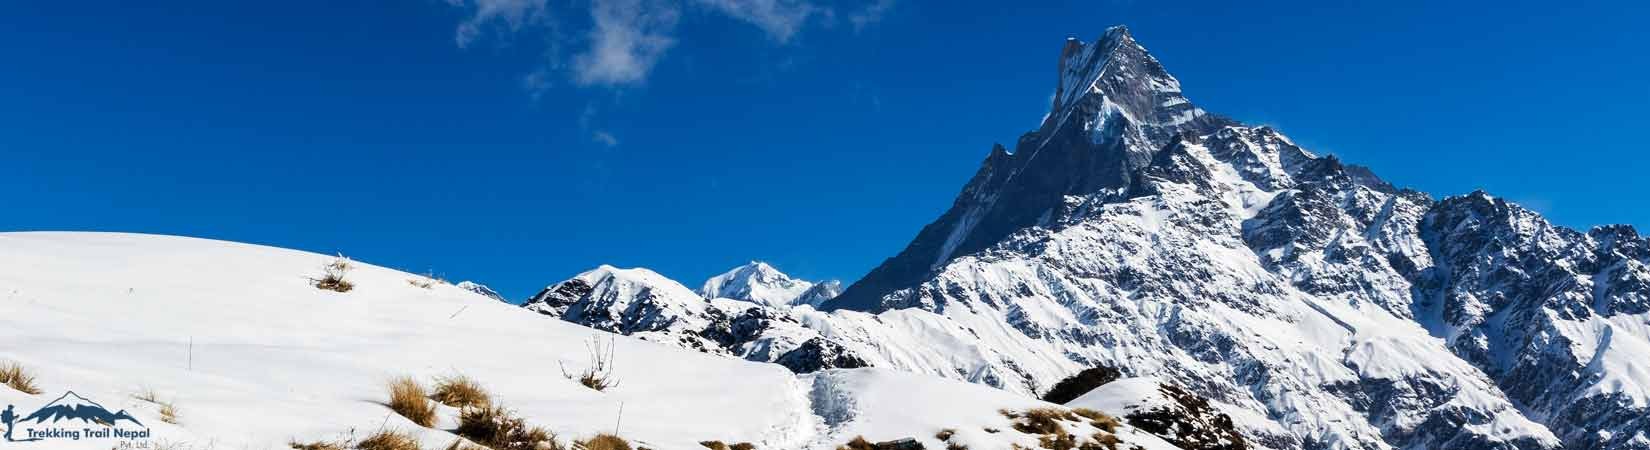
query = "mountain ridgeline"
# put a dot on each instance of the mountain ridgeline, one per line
(1311, 303)
(1113, 107)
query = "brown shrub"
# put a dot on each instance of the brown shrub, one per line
(388, 440)
(744, 446)
(499, 429)
(1081, 383)
(332, 276)
(859, 443)
(945, 434)
(13, 374)
(460, 391)
(407, 399)
(603, 441)
(714, 445)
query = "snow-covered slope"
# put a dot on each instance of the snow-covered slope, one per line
(253, 356)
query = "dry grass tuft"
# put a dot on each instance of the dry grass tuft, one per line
(598, 374)
(168, 413)
(859, 443)
(1059, 440)
(332, 275)
(719, 445)
(499, 429)
(460, 391)
(1047, 424)
(603, 441)
(1107, 423)
(315, 446)
(168, 410)
(426, 281)
(407, 399)
(1098, 419)
(1102, 441)
(13, 374)
(388, 440)
(955, 446)
(148, 394)
(1044, 421)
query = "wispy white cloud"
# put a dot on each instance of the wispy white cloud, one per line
(604, 138)
(627, 39)
(508, 15)
(870, 14)
(537, 82)
(780, 19)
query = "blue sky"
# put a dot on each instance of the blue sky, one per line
(518, 142)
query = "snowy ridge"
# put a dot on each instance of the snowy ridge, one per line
(274, 360)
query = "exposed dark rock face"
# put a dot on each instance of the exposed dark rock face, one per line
(1189, 423)
(818, 354)
(1081, 383)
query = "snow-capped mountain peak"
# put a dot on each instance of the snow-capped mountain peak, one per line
(761, 283)
(628, 301)
(1114, 107)
(1314, 304)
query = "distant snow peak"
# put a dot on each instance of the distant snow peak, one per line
(761, 283)
(646, 305)
(481, 289)
(819, 294)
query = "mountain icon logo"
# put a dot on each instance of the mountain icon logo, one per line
(72, 406)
